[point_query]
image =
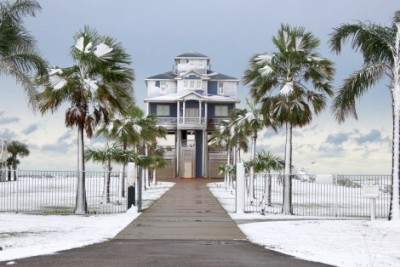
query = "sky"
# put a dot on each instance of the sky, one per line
(335, 242)
(229, 32)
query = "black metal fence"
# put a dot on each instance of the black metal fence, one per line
(54, 192)
(332, 196)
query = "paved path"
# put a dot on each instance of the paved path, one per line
(185, 227)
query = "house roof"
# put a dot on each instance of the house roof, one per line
(219, 76)
(184, 95)
(171, 75)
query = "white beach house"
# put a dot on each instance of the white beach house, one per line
(190, 101)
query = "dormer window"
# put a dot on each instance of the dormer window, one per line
(220, 88)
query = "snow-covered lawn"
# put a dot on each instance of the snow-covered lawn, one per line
(327, 240)
(29, 235)
(337, 242)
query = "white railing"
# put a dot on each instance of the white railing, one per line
(191, 121)
(166, 121)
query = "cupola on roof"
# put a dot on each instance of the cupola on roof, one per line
(192, 54)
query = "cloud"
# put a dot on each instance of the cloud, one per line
(31, 128)
(7, 134)
(63, 144)
(372, 137)
(7, 120)
(337, 139)
(66, 137)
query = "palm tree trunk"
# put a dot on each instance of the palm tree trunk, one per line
(228, 162)
(287, 181)
(81, 204)
(107, 181)
(395, 198)
(14, 166)
(154, 176)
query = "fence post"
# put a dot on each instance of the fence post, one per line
(240, 188)
(140, 189)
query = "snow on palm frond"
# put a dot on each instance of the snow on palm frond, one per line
(91, 85)
(102, 49)
(286, 38)
(266, 70)
(287, 89)
(313, 58)
(80, 45)
(299, 45)
(137, 128)
(55, 72)
(57, 82)
(264, 59)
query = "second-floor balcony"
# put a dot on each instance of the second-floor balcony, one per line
(188, 122)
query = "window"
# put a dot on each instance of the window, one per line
(220, 88)
(162, 110)
(163, 87)
(221, 111)
(192, 84)
(192, 112)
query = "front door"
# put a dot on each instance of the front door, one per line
(188, 159)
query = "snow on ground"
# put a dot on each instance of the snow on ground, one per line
(29, 235)
(332, 241)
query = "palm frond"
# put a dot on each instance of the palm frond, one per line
(344, 104)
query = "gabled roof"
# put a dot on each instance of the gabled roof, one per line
(219, 76)
(163, 76)
(192, 54)
(170, 75)
(187, 94)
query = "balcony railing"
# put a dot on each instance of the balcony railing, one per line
(195, 121)
(191, 121)
(165, 121)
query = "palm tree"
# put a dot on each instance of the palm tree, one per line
(253, 121)
(380, 47)
(287, 83)
(238, 134)
(16, 149)
(221, 138)
(18, 51)
(126, 130)
(97, 87)
(150, 133)
(157, 161)
(267, 162)
(107, 155)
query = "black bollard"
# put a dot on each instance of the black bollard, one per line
(131, 196)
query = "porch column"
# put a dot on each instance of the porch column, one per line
(199, 112)
(177, 152)
(205, 154)
(184, 112)
(178, 113)
(147, 108)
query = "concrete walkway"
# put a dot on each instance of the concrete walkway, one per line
(186, 227)
(188, 211)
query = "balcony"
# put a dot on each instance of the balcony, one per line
(189, 122)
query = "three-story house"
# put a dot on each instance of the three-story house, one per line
(190, 101)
